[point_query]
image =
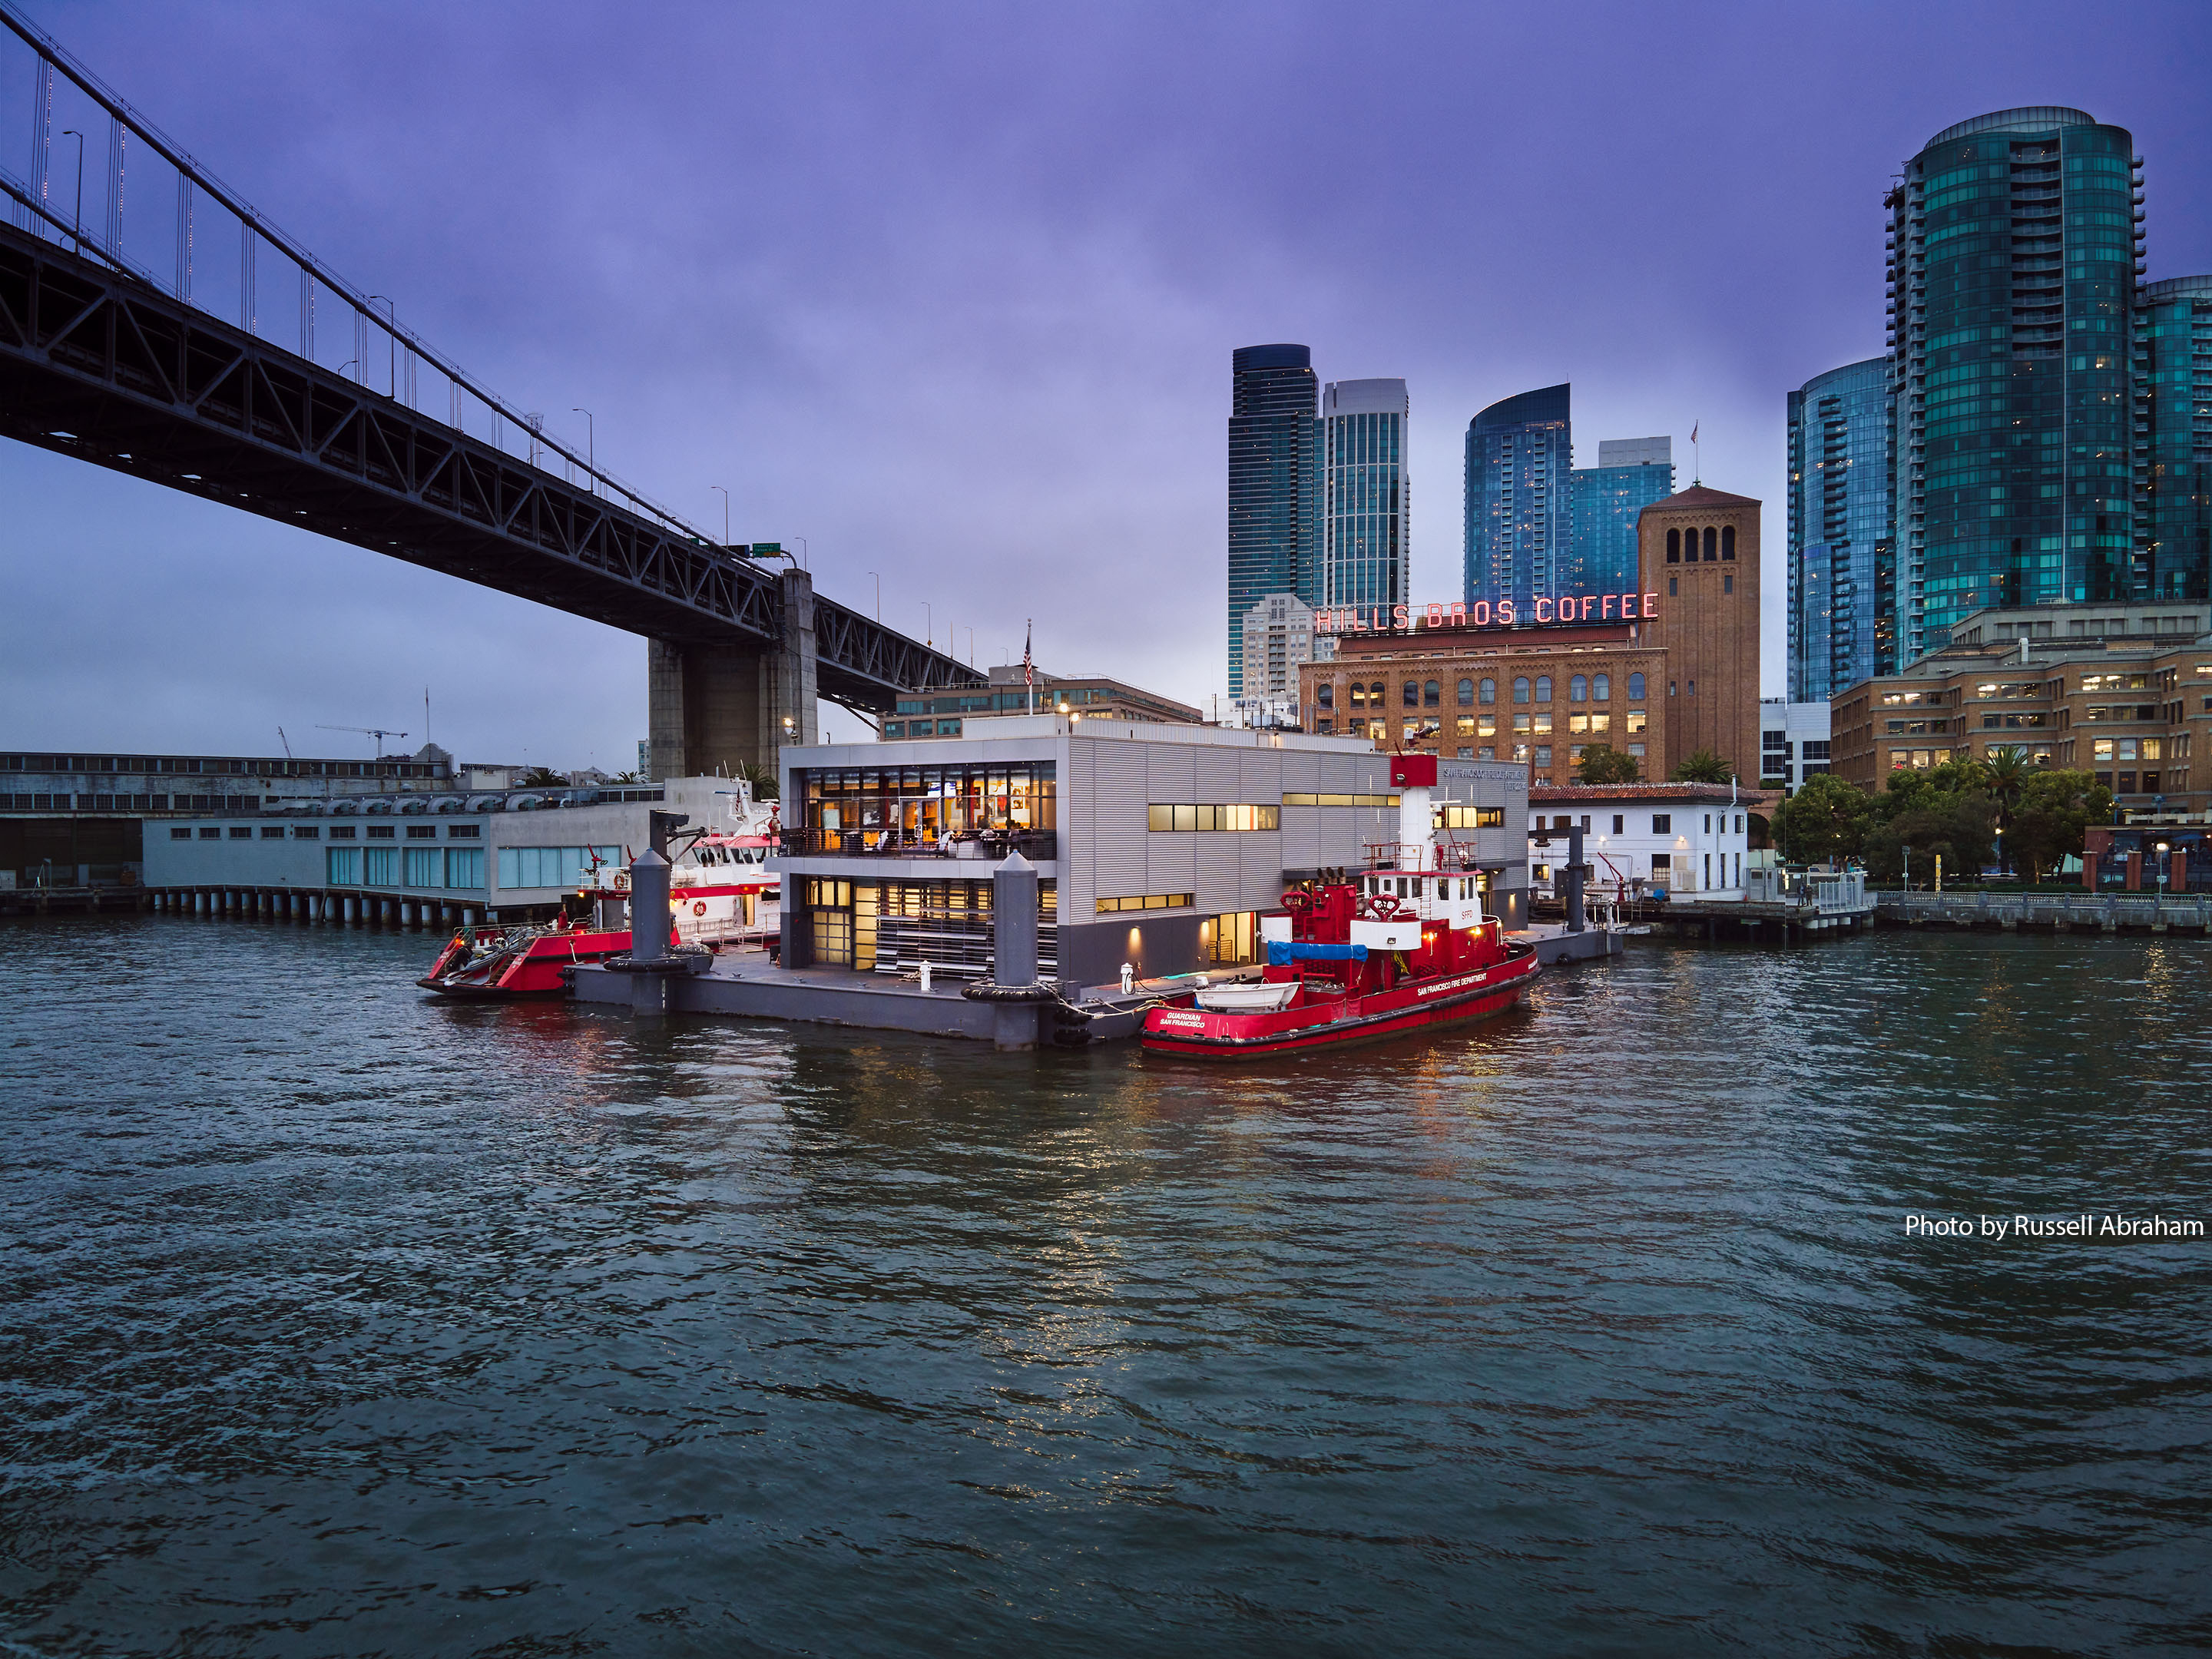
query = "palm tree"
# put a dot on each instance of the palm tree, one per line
(763, 779)
(1703, 766)
(2005, 773)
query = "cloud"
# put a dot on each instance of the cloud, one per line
(950, 292)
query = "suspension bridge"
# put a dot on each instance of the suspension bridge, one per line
(167, 368)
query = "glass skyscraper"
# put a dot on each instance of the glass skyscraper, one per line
(1604, 502)
(2015, 246)
(1273, 485)
(2174, 437)
(1519, 525)
(1843, 572)
(1365, 561)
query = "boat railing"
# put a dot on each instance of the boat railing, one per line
(1448, 857)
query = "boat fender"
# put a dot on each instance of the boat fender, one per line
(986, 992)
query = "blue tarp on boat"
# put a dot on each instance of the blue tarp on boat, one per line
(1281, 952)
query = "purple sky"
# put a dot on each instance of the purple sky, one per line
(950, 291)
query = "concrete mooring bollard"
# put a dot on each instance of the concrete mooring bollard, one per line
(1014, 951)
(648, 933)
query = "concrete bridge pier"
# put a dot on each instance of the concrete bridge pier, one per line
(710, 707)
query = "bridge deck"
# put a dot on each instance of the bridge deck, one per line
(98, 364)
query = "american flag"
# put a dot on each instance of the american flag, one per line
(1029, 668)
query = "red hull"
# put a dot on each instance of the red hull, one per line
(1446, 999)
(536, 971)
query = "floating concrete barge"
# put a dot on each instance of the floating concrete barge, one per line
(749, 987)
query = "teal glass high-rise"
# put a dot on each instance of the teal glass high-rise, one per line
(1272, 484)
(1366, 561)
(2014, 247)
(1843, 576)
(1519, 524)
(1604, 502)
(2174, 437)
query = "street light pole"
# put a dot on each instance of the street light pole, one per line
(591, 444)
(879, 596)
(76, 219)
(2162, 847)
(725, 513)
(929, 618)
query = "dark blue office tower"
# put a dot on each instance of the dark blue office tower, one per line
(1272, 464)
(1519, 527)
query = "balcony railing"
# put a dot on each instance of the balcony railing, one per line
(972, 846)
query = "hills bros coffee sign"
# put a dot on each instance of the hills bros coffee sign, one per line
(1406, 619)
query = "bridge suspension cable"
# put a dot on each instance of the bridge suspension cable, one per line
(196, 181)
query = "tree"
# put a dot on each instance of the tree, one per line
(543, 777)
(626, 777)
(2005, 773)
(1601, 762)
(1824, 823)
(1703, 766)
(2055, 808)
(1957, 828)
(763, 779)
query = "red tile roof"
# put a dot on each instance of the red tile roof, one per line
(1563, 794)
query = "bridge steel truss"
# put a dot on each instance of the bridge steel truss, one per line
(96, 364)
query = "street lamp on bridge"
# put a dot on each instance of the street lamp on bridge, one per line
(76, 219)
(592, 448)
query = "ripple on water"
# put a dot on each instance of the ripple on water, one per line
(340, 1321)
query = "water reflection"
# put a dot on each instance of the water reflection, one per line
(347, 1321)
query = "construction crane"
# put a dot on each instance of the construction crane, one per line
(376, 732)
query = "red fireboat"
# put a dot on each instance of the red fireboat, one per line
(719, 882)
(1403, 945)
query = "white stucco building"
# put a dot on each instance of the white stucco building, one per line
(1641, 837)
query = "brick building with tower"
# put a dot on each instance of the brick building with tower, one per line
(1656, 674)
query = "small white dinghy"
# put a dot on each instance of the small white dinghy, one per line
(1247, 999)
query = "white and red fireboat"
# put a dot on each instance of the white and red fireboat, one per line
(719, 882)
(1402, 947)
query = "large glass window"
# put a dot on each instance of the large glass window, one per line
(1489, 691)
(1413, 694)
(1578, 689)
(1635, 688)
(551, 867)
(1213, 817)
(923, 808)
(1467, 693)
(1543, 688)
(1520, 688)
(1601, 687)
